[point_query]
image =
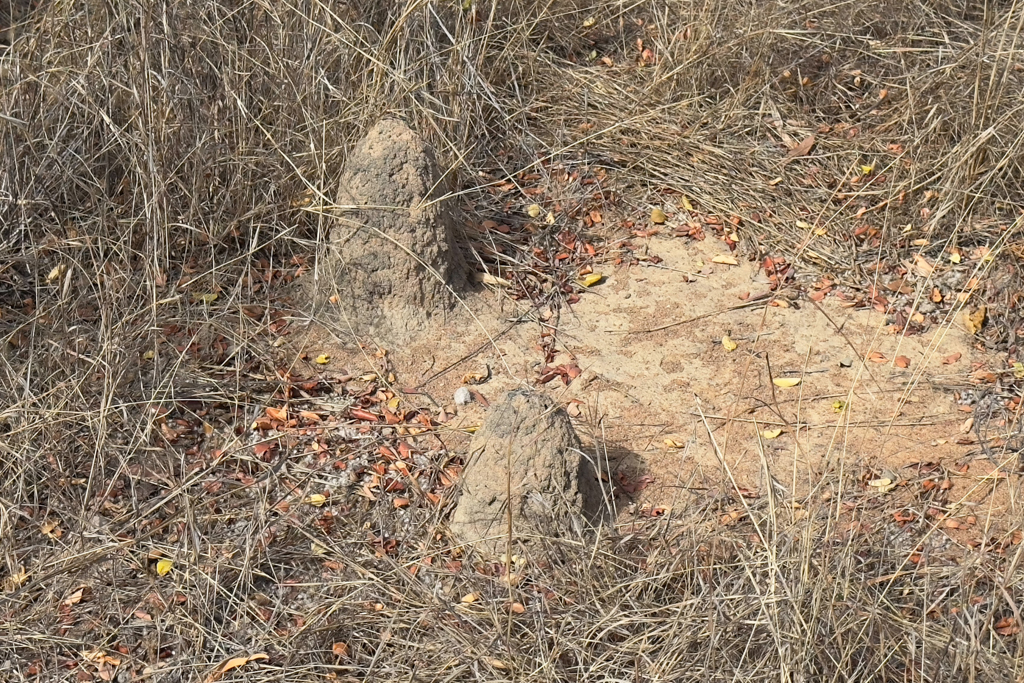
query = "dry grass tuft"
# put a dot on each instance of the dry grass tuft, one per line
(154, 154)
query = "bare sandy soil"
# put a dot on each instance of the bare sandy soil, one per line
(673, 410)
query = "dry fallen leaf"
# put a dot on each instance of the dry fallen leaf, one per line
(340, 649)
(234, 663)
(316, 499)
(493, 280)
(800, 150)
(974, 321)
(936, 296)
(323, 359)
(921, 265)
(55, 274)
(838, 406)
(728, 344)
(771, 433)
(469, 598)
(786, 382)
(534, 210)
(496, 663)
(658, 216)
(164, 567)
(876, 357)
(901, 362)
(672, 443)
(686, 204)
(591, 279)
(952, 358)
(725, 259)
(279, 414)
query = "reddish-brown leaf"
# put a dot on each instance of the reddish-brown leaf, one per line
(361, 414)
(902, 362)
(279, 414)
(952, 358)
(876, 357)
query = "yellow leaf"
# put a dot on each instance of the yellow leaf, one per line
(725, 259)
(55, 274)
(317, 499)
(867, 169)
(550, 218)
(803, 225)
(974, 321)
(589, 21)
(1018, 370)
(786, 382)
(591, 279)
(323, 359)
(207, 298)
(534, 210)
(471, 430)
(771, 433)
(164, 567)
(394, 402)
(469, 598)
(820, 232)
(728, 344)
(955, 257)
(658, 216)
(686, 204)
(672, 443)
(838, 406)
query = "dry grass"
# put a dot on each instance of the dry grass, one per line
(154, 153)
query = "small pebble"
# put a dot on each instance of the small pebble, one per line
(846, 363)
(463, 397)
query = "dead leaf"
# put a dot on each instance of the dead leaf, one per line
(1007, 627)
(595, 216)
(164, 567)
(936, 296)
(492, 280)
(340, 649)
(469, 598)
(725, 259)
(786, 382)
(533, 210)
(234, 663)
(51, 529)
(728, 344)
(323, 359)
(771, 433)
(591, 279)
(75, 597)
(279, 414)
(800, 150)
(316, 500)
(952, 358)
(876, 357)
(921, 265)
(658, 216)
(496, 663)
(901, 362)
(974, 321)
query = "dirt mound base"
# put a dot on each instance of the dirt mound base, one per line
(394, 262)
(526, 457)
